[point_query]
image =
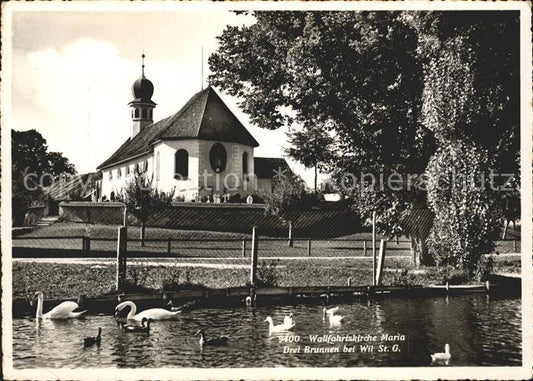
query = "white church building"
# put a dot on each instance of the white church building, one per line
(201, 152)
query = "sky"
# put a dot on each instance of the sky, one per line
(72, 74)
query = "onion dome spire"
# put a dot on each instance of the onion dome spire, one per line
(142, 89)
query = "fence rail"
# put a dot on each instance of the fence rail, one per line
(83, 246)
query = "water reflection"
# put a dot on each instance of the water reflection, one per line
(480, 331)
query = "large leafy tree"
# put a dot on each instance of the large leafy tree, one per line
(393, 86)
(33, 168)
(357, 73)
(313, 147)
(471, 103)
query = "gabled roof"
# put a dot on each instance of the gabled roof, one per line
(268, 167)
(73, 186)
(205, 116)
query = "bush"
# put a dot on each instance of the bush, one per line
(402, 278)
(267, 273)
(484, 268)
(235, 198)
(452, 275)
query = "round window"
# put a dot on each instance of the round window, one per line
(218, 157)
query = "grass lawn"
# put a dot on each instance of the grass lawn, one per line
(70, 280)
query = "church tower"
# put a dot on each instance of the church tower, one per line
(142, 105)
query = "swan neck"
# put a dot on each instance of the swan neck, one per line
(39, 312)
(133, 309)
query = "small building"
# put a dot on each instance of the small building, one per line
(201, 152)
(269, 168)
(67, 187)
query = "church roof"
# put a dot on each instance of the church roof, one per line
(268, 167)
(205, 116)
(71, 187)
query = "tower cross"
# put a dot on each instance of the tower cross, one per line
(142, 63)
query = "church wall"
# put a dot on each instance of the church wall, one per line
(117, 183)
(231, 178)
(202, 180)
(186, 188)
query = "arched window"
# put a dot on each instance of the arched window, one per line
(157, 169)
(244, 164)
(119, 173)
(112, 196)
(218, 157)
(110, 174)
(181, 164)
(136, 112)
(127, 170)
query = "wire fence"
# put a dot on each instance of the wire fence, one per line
(86, 246)
(206, 259)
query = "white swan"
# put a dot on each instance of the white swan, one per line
(288, 320)
(152, 313)
(446, 356)
(61, 311)
(331, 311)
(333, 319)
(248, 301)
(277, 328)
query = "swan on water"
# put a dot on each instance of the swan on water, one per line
(248, 301)
(138, 328)
(215, 341)
(152, 313)
(330, 313)
(61, 311)
(288, 320)
(90, 341)
(277, 328)
(446, 356)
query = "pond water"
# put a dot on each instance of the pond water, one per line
(481, 330)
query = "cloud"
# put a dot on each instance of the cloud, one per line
(74, 97)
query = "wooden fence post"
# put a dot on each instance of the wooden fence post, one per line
(169, 245)
(122, 246)
(515, 246)
(253, 267)
(381, 262)
(309, 247)
(87, 245)
(374, 247)
(291, 241)
(244, 247)
(364, 248)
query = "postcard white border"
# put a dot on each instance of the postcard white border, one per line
(525, 371)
